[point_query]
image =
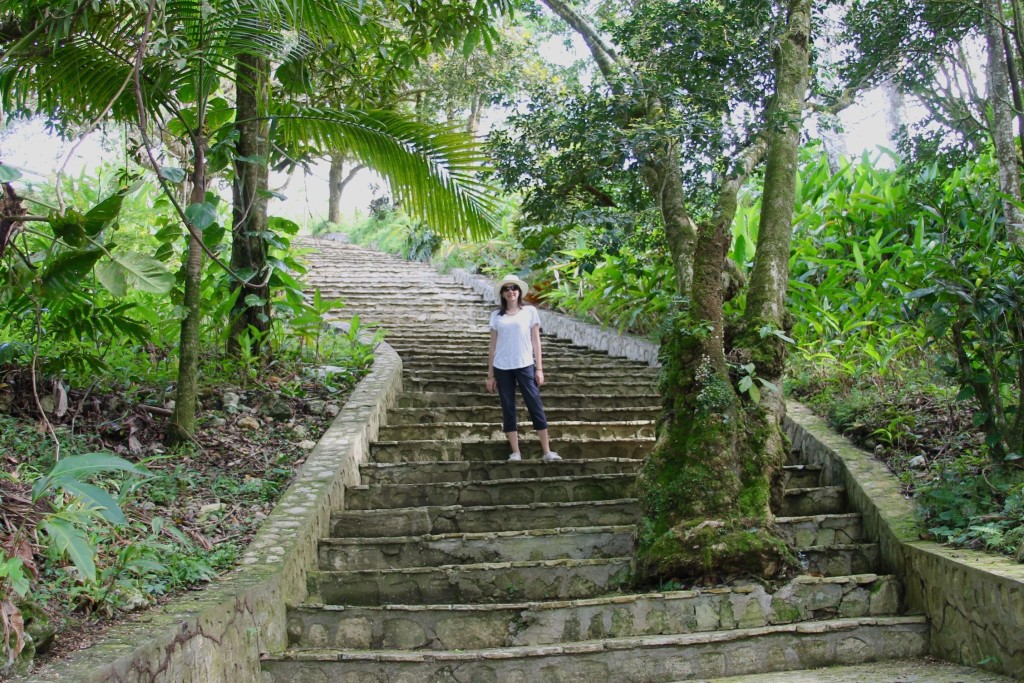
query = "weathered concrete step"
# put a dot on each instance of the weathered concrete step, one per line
(579, 370)
(494, 492)
(644, 658)
(492, 414)
(569, 364)
(802, 476)
(413, 294)
(839, 560)
(425, 472)
(416, 399)
(564, 579)
(349, 554)
(483, 431)
(818, 500)
(551, 388)
(807, 531)
(428, 451)
(927, 670)
(477, 355)
(438, 519)
(464, 627)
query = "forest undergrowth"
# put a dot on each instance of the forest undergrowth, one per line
(187, 518)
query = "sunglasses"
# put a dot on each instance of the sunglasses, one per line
(509, 288)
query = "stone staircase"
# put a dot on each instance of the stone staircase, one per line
(451, 564)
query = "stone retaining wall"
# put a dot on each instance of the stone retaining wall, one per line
(219, 635)
(576, 331)
(974, 601)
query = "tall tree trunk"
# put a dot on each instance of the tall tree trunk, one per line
(251, 310)
(1002, 120)
(338, 180)
(334, 177)
(182, 425)
(707, 487)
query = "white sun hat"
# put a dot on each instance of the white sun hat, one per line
(510, 280)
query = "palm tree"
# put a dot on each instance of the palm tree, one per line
(164, 70)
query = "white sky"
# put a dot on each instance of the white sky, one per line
(38, 154)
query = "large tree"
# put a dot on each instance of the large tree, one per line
(693, 99)
(163, 68)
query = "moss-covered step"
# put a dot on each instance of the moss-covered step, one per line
(468, 626)
(645, 658)
(485, 582)
(492, 414)
(811, 530)
(437, 519)
(928, 670)
(817, 500)
(422, 472)
(496, 492)
(801, 476)
(497, 449)
(839, 560)
(492, 431)
(476, 396)
(555, 387)
(393, 552)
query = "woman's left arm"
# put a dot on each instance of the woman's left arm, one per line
(538, 358)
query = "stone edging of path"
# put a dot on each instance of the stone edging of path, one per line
(576, 331)
(218, 635)
(974, 601)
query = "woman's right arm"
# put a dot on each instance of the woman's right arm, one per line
(491, 386)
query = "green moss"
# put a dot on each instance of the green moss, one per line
(715, 551)
(784, 613)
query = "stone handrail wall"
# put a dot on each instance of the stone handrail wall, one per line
(218, 635)
(576, 331)
(974, 601)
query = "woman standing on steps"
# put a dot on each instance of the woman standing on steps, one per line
(514, 358)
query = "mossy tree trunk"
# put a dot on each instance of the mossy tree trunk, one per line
(251, 311)
(707, 488)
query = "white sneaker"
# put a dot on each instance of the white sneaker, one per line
(515, 457)
(551, 456)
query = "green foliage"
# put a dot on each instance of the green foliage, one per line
(973, 307)
(969, 504)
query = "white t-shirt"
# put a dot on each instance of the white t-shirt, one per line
(514, 347)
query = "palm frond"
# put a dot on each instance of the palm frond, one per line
(434, 171)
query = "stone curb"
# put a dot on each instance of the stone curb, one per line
(576, 331)
(218, 635)
(974, 600)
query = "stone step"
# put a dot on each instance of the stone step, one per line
(464, 627)
(569, 364)
(555, 373)
(492, 414)
(476, 353)
(817, 500)
(803, 532)
(552, 388)
(428, 451)
(371, 474)
(643, 658)
(494, 492)
(438, 519)
(410, 399)
(563, 579)
(839, 560)
(802, 476)
(899, 671)
(468, 432)
(395, 552)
